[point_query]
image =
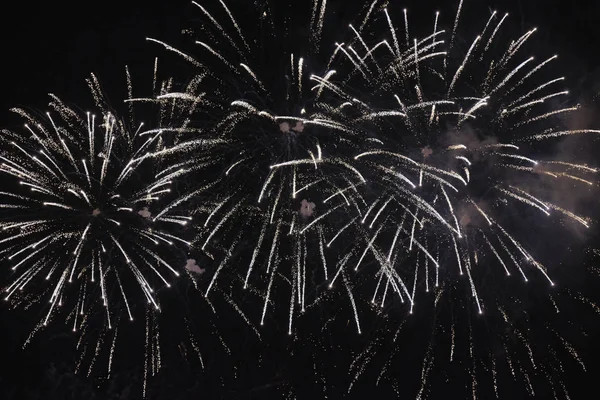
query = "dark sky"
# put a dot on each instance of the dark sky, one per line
(51, 47)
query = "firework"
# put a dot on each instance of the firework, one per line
(463, 168)
(277, 185)
(94, 226)
(80, 230)
(84, 196)
(456, 162)
(447, 136)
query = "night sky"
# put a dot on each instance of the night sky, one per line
(51, 47)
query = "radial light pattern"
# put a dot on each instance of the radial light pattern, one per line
(466, 171)
(458, 159)
(277, 183)
(82, 205)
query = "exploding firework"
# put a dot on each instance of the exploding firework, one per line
(277, 184)
(447, 135)
(83, 199)
(452, 176)
(86, 229)
(465, 171)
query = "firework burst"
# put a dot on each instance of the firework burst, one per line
(84, 225)
(464, 170)
(82, 210)
(455, 152)
(277, 183)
